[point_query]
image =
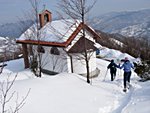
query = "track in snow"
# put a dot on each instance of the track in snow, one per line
(125, 101)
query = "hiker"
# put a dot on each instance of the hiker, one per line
(112, 66)
(127, 71)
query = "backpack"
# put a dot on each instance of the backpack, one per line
(113, 68)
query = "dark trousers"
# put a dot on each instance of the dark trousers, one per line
(113, 75)
(127, 76)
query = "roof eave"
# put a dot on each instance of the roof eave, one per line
(44, 43)
(63, 44)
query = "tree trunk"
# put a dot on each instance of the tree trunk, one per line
(71, 63)
(85, 48)
(87, 68)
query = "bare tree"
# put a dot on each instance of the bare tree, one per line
(6, 96)
(78, 9)
(34, 33)
(37, 33)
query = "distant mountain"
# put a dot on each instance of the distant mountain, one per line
(133, 23)
(138, 30)
(14, 30)
(129, 23)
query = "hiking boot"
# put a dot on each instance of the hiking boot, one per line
(124, 90)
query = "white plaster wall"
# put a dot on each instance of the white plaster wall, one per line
(92, 62)
(62, 63)
(69, 64)
(56, 63)
(79, 65)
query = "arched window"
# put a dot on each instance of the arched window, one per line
(55, 51)
(40, 49)
(46, 18)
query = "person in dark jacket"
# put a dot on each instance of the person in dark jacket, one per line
(112, 66)
(127, 71)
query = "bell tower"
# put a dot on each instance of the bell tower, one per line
(45, 17)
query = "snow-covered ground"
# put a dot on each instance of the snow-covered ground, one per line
(69, 93)
(116, 55)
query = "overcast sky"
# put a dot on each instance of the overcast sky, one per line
(10, 10)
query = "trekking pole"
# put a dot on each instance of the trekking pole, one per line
(105, 74)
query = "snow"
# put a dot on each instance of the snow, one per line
(110, 54)
(55, 31)
(69, 93)
(136, 30)
(2, 38)
(117, 42)
(133, 30)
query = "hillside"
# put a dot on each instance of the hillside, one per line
(14, 30)
(129, 23)
(138, 47)
(9, 49)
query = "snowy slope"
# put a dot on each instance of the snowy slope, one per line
(109, 54)
(127, 23)
(69, 93)
(136, 30)
(7, 44)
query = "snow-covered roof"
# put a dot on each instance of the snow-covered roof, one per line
(3, 38)
(55, 31)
